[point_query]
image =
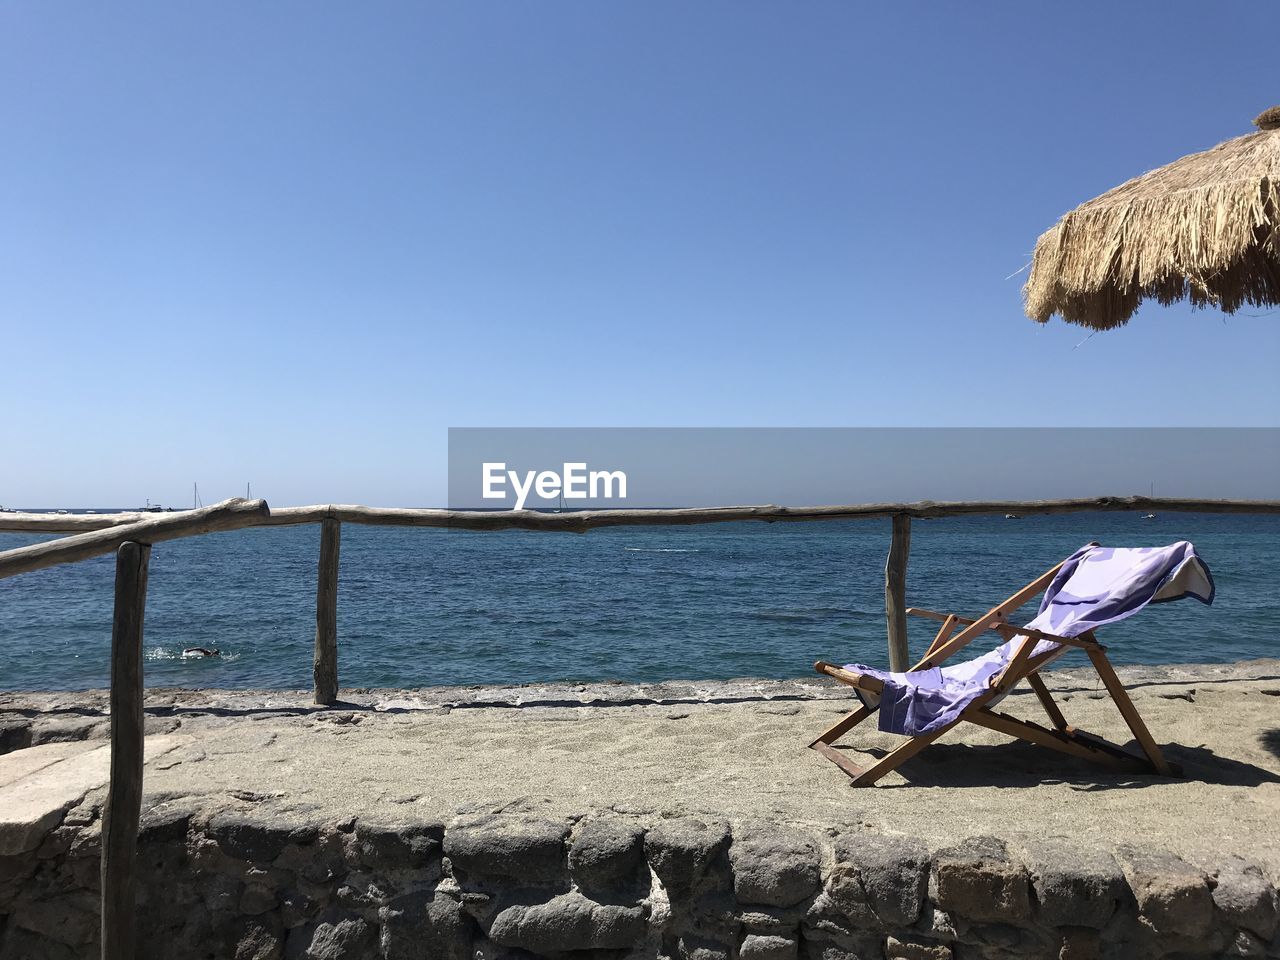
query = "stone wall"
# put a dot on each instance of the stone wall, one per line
(241, 883)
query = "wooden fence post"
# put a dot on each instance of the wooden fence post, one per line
(124, 792)
(325, 669)
(895, 592)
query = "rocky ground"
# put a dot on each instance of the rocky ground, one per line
(988, 844)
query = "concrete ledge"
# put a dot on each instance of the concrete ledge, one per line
(37, 786)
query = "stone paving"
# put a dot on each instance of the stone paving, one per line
(594, 820)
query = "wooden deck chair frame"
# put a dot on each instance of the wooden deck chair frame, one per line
(1022, 665)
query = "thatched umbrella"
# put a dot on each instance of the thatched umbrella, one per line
(1205, 228)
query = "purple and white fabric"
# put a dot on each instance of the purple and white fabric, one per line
(1095, 586)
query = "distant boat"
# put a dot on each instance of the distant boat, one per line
(1148, 516)
(150, 508)
(63, 513)
(1012, 516)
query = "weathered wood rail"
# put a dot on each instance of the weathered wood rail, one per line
(580, 521)
(145, 528)
(131, 537)
(123, 808)
(325, 664)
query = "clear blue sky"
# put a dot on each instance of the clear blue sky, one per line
(294, 242)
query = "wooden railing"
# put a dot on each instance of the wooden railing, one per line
(131, 537)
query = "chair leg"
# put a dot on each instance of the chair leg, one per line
(839, 759)
(1106, 746)
(866, 776)
(1047, 701)
(896, 758)
(1129, 711)
(837, 730)
(1074, 744)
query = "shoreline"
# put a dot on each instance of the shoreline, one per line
(601, 693)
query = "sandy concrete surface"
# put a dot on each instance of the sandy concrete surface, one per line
(726, 750)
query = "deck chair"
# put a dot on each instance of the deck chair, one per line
(1093, 587)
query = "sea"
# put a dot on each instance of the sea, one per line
(424, 607)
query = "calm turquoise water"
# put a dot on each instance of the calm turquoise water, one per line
(424, 607)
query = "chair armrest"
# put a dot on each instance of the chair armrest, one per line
(929, 614)
(848, 677)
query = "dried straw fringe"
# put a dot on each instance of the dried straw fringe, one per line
(1205, 228)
